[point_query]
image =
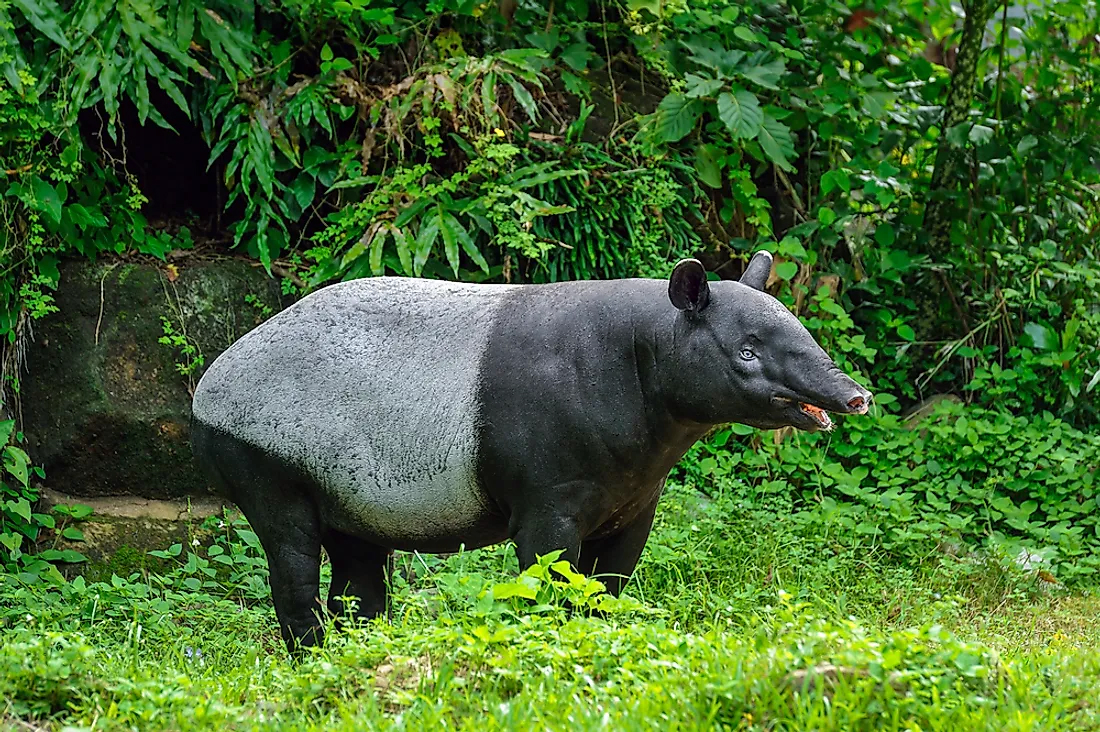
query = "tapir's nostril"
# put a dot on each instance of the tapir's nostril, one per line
(857, 404)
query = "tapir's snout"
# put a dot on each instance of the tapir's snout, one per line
(816, 395)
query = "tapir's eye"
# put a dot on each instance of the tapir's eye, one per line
(747, 355)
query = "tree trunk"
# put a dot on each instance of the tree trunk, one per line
(940, 203)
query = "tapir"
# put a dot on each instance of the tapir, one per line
(398, 413)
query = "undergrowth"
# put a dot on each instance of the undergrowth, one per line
(736, 619)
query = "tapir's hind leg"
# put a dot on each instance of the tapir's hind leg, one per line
(279, 509)
(359, 570)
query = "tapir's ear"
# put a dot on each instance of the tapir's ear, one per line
(756, 274)
(687, 287)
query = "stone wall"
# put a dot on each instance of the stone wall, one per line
(103, 403)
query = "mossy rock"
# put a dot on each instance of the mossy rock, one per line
(104, 406)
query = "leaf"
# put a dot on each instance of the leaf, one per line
(775, 138)
(885, 234)
(519, 91)
(304, 188)
(404, 250)
(676, 117)
(766, 75)
(425, 240)
(701, 86)
(707, 165)
(745, 34)
(21, 508)
(44, 199)
(73, 534)
(1029, 142)
(376, 246)
(450, 240)
(326, 53)
(716, 58)
(507, 590)
(7, 427)
(834, 179)
(15, 461)
(47, 18)
(576, 56)
(741, 113)
(906, 333)
(1039, 336)
(980, 134)
(786, 270)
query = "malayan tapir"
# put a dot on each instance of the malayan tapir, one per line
(396, 413)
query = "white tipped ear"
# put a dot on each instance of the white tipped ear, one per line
(756, 274)
(687, 287)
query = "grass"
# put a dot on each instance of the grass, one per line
(740, 621)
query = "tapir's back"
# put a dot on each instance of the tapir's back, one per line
(370, 388)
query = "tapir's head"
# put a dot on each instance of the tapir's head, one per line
(745, 358)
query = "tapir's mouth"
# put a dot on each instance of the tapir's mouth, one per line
(819, 416)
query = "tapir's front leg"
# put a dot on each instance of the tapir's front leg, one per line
(558, 520)
(612, 559)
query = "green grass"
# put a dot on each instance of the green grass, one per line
(742, 622)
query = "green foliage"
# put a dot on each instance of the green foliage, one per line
(189, 359)
(1024, 487)
(762, 621)
(21, 525)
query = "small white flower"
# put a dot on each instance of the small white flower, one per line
(194, 542)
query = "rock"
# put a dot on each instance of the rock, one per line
(104, 405)
(121, 531)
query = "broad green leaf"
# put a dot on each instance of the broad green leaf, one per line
(1039, 336)
(906, 333)
(304, 188)
(45, 199)
(507, 590)
(766, 75)
(875, 103)
(775, 138)
(835, 179)
(20, 507)
(980, 134)
(7, 427)
(576, 56)
(745, 34)
(786, 270)
(741, 113)
(700, 86)
(653, 6)
(716, 58)
(1028, 143)
(707, 165)
(676, 117)
(885, 234)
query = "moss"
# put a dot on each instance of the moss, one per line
(119, 545)
(124, 273)
(104, 406)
